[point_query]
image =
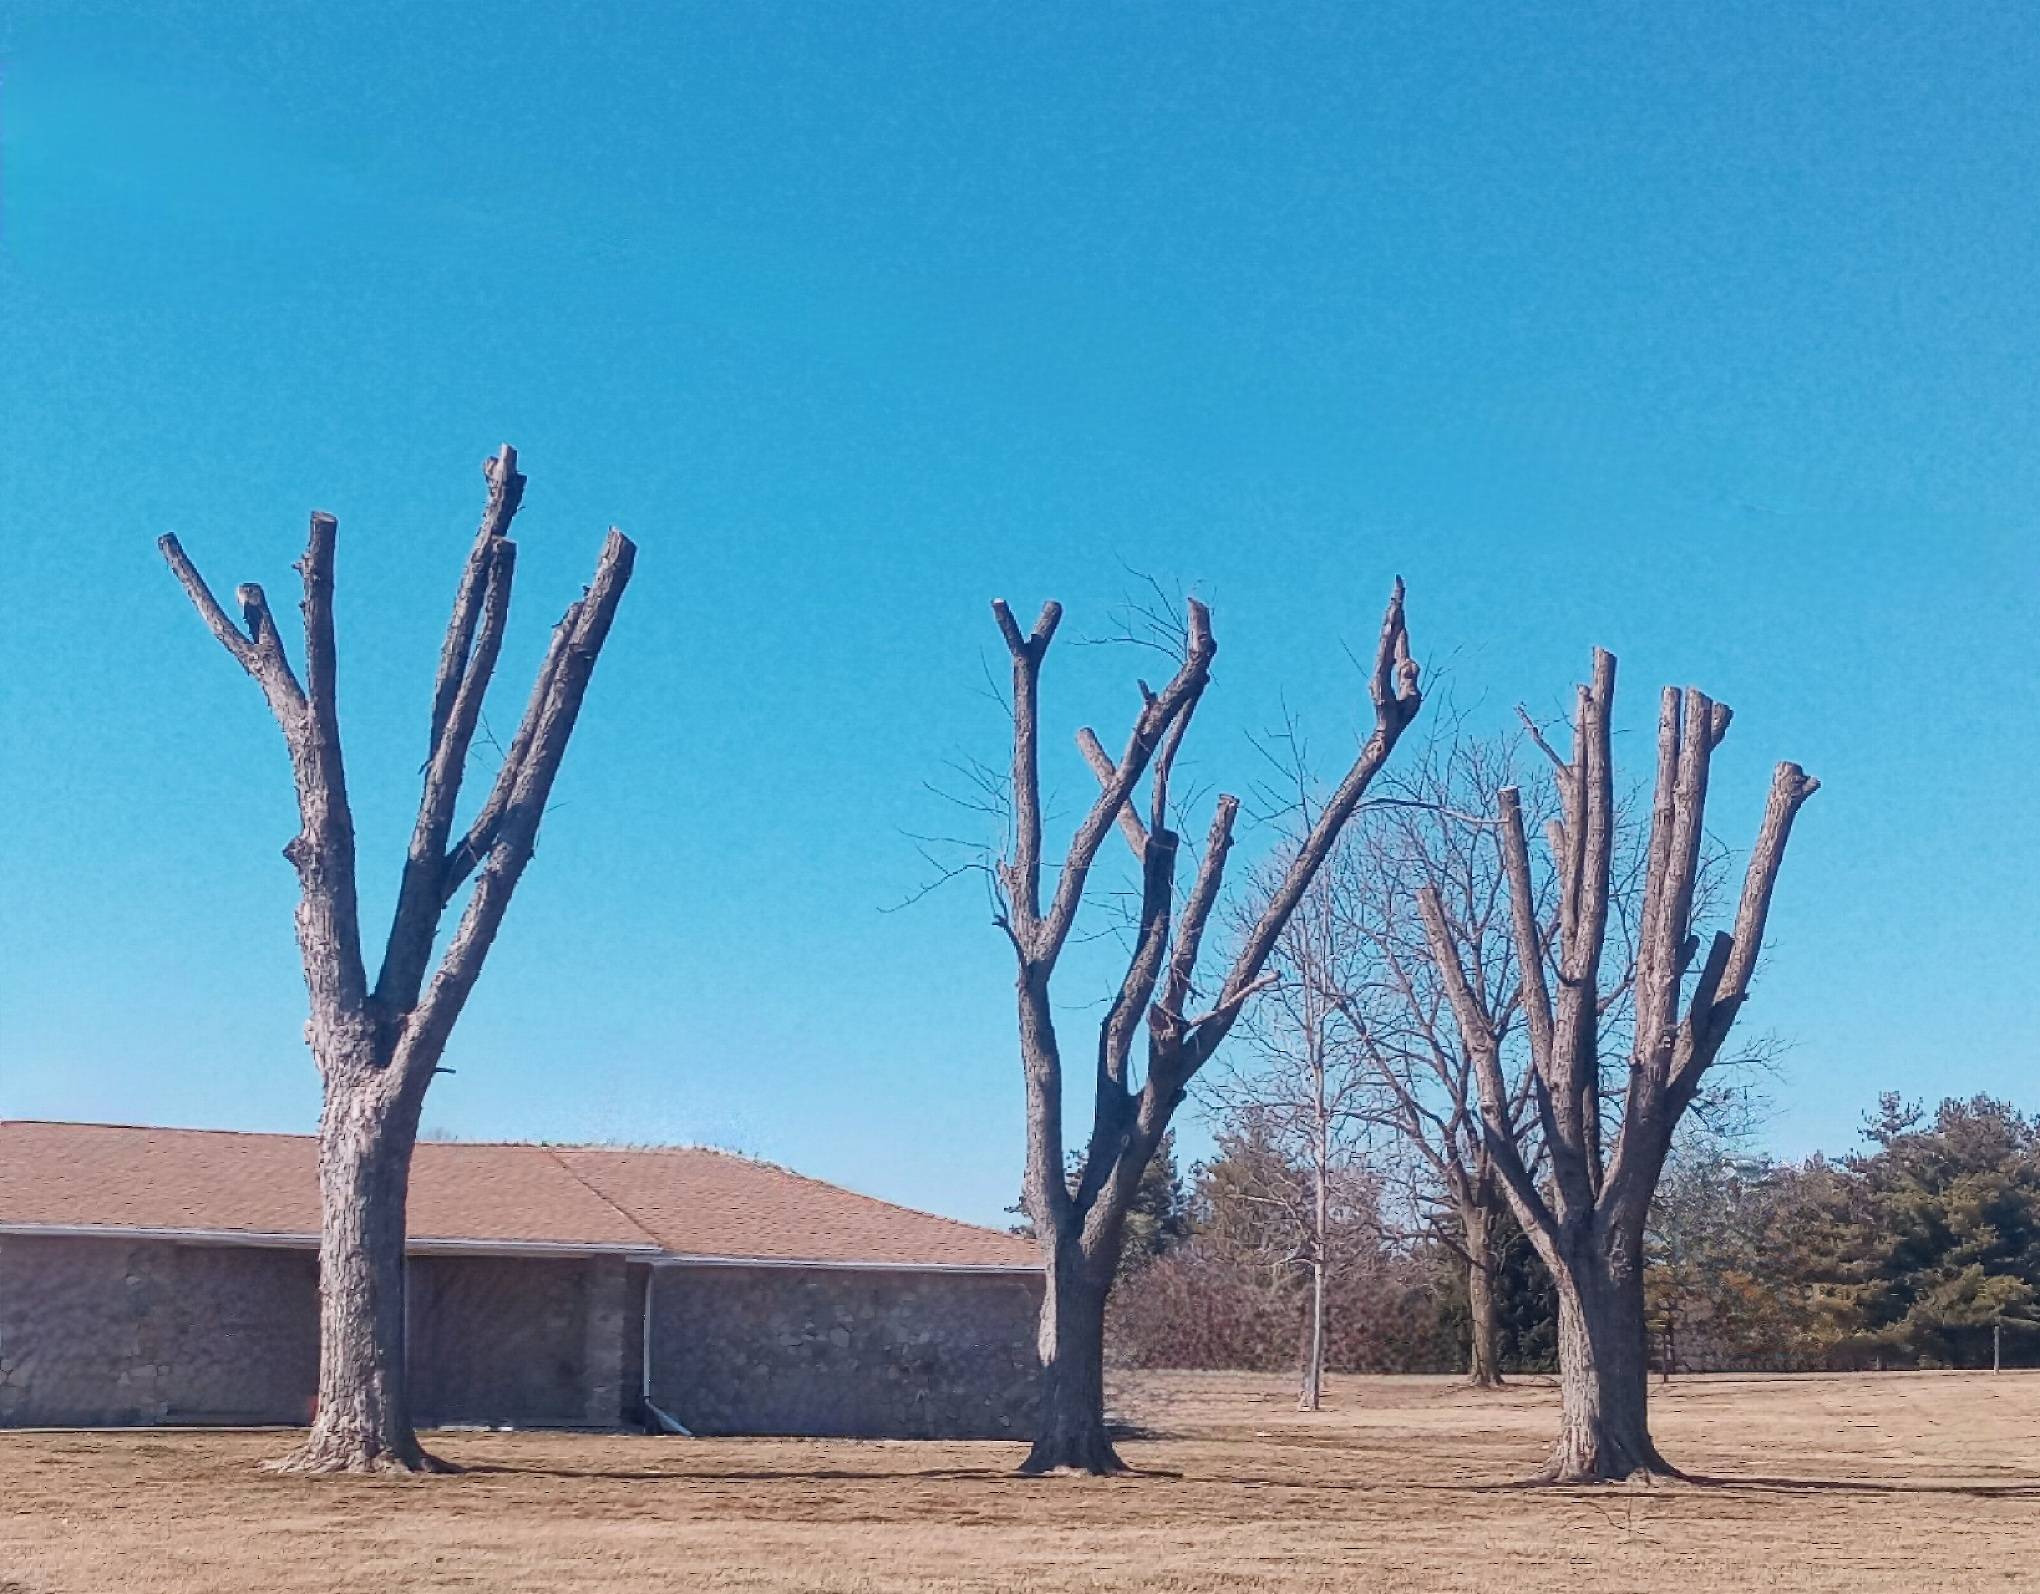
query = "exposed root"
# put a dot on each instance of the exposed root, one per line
(1089, 1454)
(1615, 1464)
(327, 1456)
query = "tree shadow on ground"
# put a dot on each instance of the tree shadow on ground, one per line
(681, 1473)
(1755, 1484)
(1769, 1485)
(684, 1474)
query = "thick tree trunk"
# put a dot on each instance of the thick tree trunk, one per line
(1604, 1372)
(1070, 1431)
(363, 1424)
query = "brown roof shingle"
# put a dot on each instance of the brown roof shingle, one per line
(712, 1204)
(685, 1201)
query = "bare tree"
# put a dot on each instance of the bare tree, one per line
(378, 1047)
(1377, 973)
(1079, 1226)
(1587, 1221)
(1305, 1085)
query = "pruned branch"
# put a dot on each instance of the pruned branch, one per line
(329, 938)
(1044, 932)
(1476, 1029)
(540, 744)
(467, 662)
(1393, 685)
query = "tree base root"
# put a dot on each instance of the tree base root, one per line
(339, 1457)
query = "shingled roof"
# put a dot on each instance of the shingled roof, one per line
(683, 1203)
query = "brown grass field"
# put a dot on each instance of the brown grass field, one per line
(1865, 1483)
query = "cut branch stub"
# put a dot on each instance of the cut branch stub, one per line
(467, 663)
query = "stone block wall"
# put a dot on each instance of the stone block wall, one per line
(838, 1351)
(520, 1340)
(108, 1331)
(111, 1331)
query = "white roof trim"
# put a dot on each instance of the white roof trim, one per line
(457, 1247)
(672, 1259)
(310, 1242)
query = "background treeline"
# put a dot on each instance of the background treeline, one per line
(1909, 1253)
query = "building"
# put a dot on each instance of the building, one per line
(171, 1276)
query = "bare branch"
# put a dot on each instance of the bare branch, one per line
(1103, 767)
(549, 724)
(1197, 909)
(329, 938)
(1393, 686)
(1179, 697)
(467, 662)
(506, 493)
(481, 834)
(1790, 787)
(1022, 874)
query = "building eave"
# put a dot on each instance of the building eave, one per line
(428, 1245)
(1018, 1269)
(442, 1246)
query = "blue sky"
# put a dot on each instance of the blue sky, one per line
(1708, 333)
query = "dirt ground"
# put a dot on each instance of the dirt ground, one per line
(1865, 1483)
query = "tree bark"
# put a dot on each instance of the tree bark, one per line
(1604, 1369)
(1483, 1356)
(363, 1425)
(1070, 1431)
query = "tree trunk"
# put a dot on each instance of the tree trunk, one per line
(363, 1424)
(1483, 1356)
(1483, 1353)
(1311, 1396)
(1070, 1431)
(1603, 1372)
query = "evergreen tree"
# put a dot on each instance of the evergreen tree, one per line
(1943, 1230)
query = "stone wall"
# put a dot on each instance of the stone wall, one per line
(839, 1351)
(529, 1341)
(105, 1331)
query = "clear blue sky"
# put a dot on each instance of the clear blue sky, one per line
(1707, 332)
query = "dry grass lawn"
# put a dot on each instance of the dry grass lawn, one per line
(1873, 1483)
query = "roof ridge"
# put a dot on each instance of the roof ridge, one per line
(154, 1129)
(621, 1211)
(808, 1178)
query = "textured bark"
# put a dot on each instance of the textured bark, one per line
(1080, 1225)
(1071, 1432)
(363, 1422)
(1604, 1373)
(1483, 1356)
(377, 1052)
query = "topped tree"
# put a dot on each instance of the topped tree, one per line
(378, 1048)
